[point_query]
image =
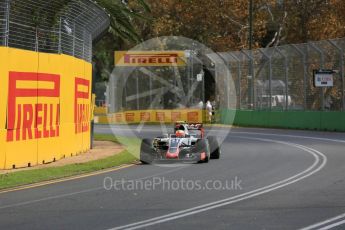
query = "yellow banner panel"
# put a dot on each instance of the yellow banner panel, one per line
(3, 88)
(155, 116)
(2, 148)
(68, 146)
(100, 110)
(21, 154)
(93, 106)
(48, 107)
(21, 139)
(67, 98)
(88, 107)
(45, 107)
(150, 58)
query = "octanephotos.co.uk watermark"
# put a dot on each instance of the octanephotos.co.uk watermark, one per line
(164, 184)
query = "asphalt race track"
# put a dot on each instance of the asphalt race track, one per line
(265, 179)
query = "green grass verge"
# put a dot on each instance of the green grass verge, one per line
(19, 178)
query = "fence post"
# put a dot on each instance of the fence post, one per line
(304, 74)
(83, 42)
(322, 62)
(137, 89)
(89, 47)
(270, 80)
(270, 75)
(286, 77)
(60, 28)
(251, 81)
(227, 79)
(150, 88)
(73, 37)
(36, 39)
(125, 93)
(251, 89)
(7, 23)
(239, 73)
(341, 65)
(225, 73)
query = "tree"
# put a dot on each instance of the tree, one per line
(223, 24)
(121, 33)
(121, 18)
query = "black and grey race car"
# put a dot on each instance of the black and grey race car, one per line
(187, 144)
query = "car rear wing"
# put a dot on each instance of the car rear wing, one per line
(173, 136)
(197, 126)
(191, 126)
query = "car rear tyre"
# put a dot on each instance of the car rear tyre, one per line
(214, 147)
(202, 147)
(146, 151)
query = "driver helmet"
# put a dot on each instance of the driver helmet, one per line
(180, 133)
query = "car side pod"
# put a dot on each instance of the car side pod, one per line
(214, 147)
(146, 151)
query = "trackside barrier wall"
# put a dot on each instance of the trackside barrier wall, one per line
(100, 110)
(312, 120)
(153, 116)
(44, 107)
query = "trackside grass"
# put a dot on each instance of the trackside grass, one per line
(14, 179)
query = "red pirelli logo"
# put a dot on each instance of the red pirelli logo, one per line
(160, 116)
(118, 117)
(145, 116)
(82, 105)
(193, 116)
(27, 120)
(175, 116)
(129, 117)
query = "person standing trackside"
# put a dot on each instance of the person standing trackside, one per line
(328, 103)
(213, 103)
(209, 110)
(200, 105)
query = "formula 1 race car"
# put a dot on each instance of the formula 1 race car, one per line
(186, 144)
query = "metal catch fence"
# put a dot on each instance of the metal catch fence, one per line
(56, 26)
(281, 78)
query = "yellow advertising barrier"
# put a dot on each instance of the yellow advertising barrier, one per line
(153, 116)
(44, 108)
(93, 106)
(100, 110)
(3, 148)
